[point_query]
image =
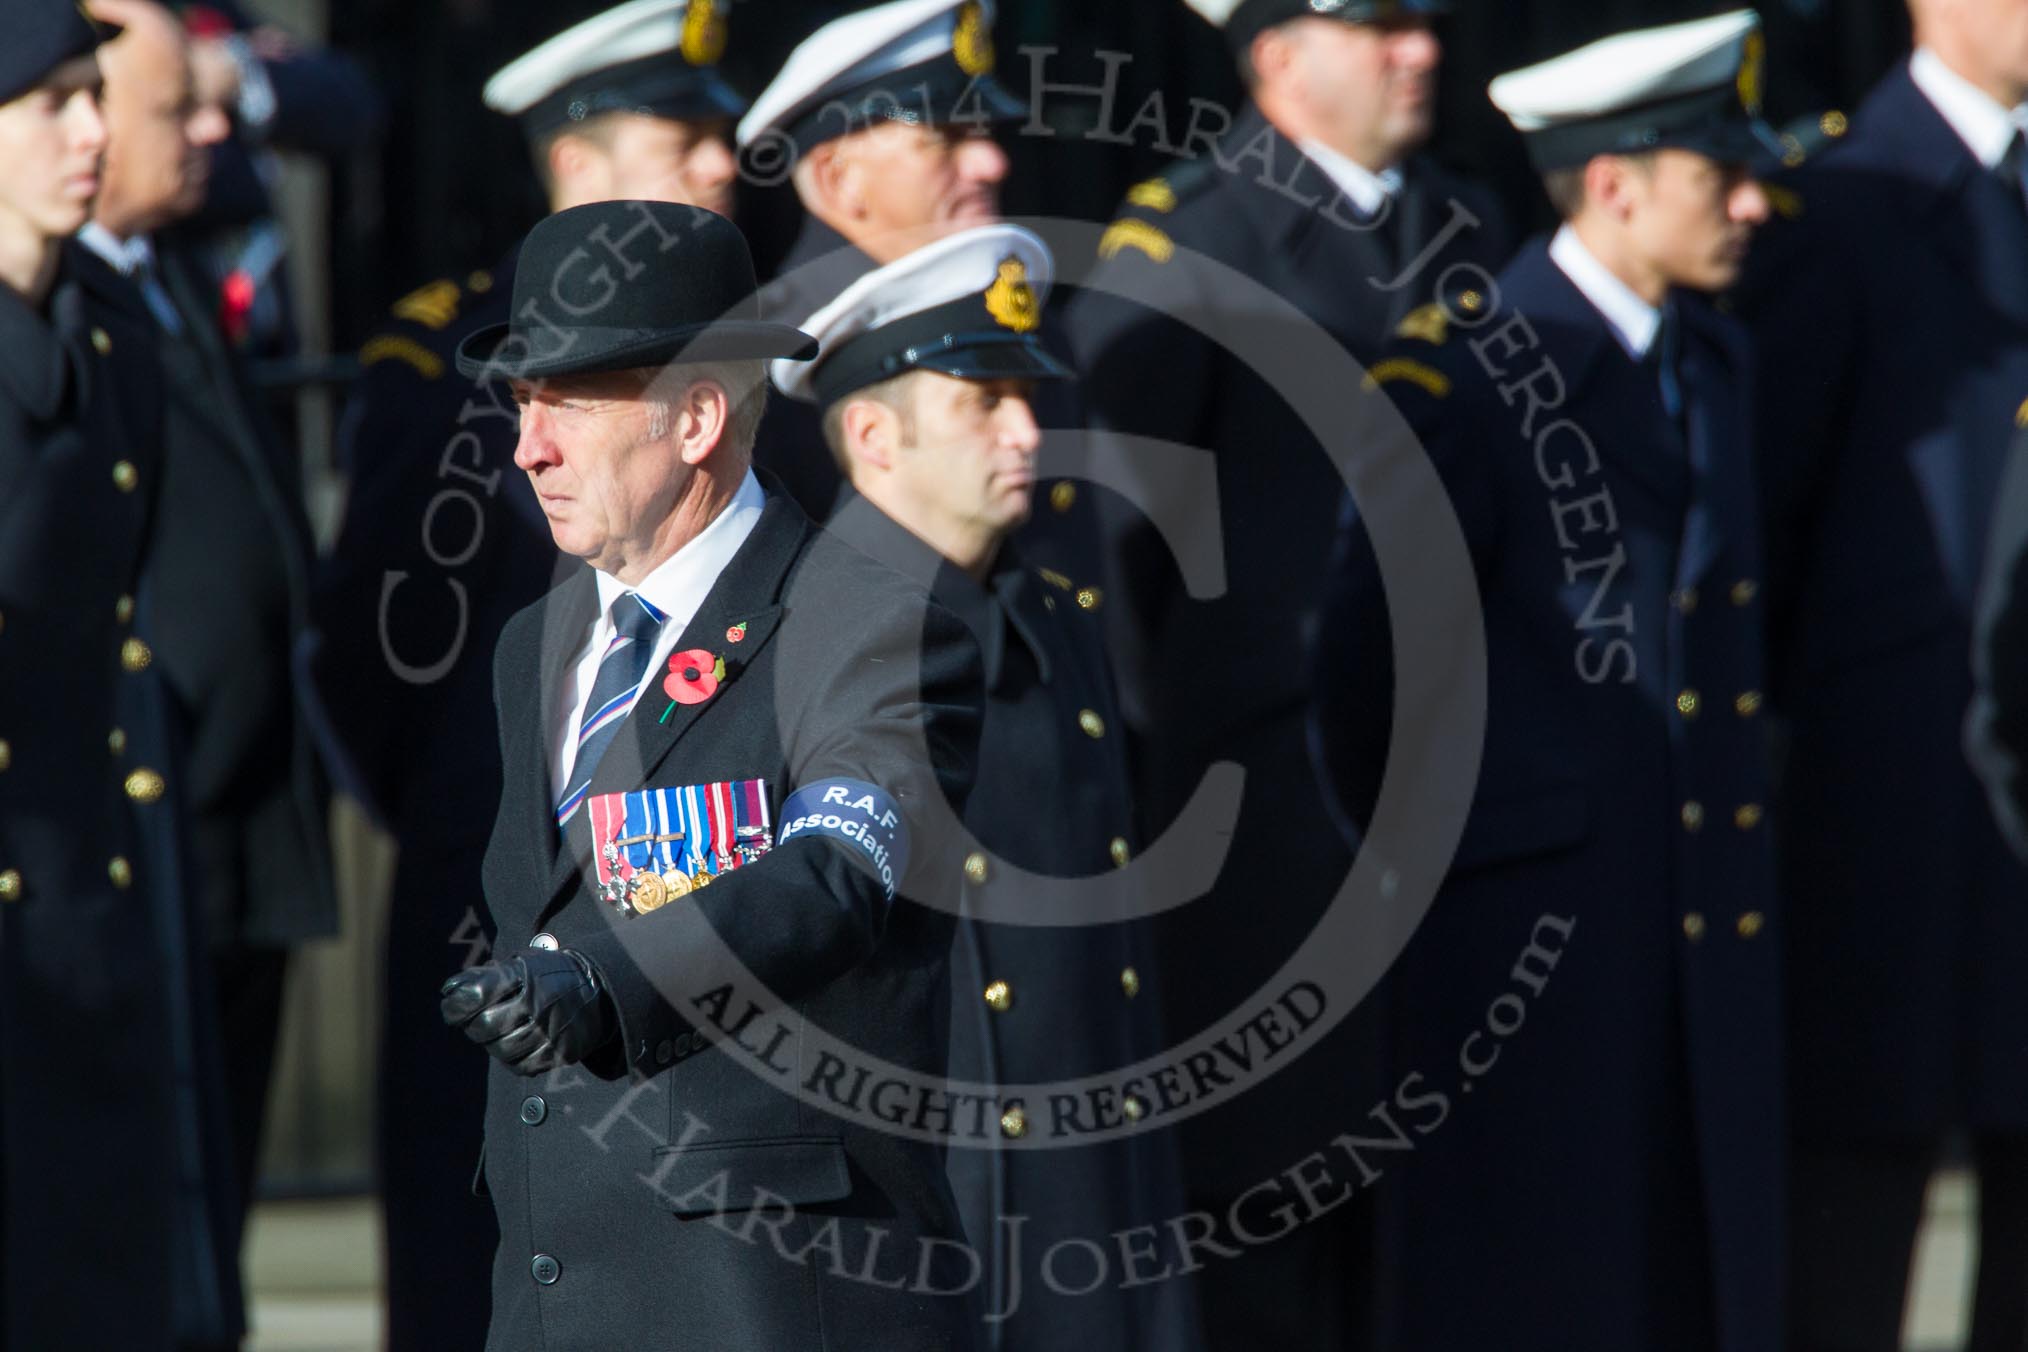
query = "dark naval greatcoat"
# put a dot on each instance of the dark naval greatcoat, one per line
(89, 1115)
(674, 1192)
(1896, 304)
(1033, 1006)
(1592, 1001)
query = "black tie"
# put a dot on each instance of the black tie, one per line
(2014, 169)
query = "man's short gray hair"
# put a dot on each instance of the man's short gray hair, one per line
(746, 388)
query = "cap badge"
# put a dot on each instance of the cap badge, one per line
(1752, 72)
(704, 33)
(1011, 300)
(972, 41)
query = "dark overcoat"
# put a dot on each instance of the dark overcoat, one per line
(677, 1191)
(1592, 1000)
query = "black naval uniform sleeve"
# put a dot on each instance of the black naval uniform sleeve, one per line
(1996, 732)
(813, 908)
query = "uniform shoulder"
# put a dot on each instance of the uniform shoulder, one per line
(422, 330)
(1158, 211)
(1424, 354)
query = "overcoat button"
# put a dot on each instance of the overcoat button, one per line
(533, 1110)
(999, 997)
(545, 1270)
(1014, 1124)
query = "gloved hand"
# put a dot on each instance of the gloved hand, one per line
(534, 1011)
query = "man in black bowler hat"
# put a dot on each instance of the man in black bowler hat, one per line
(722, 744)
(92, 1050)
(629, 103)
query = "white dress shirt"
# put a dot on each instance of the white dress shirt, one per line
(1366, 189)
(1633, 321)
(134, 259)
(1983, 123)
(676, 588)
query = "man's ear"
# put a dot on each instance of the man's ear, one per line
(703, 412)
(872, 433)
(571, 159)
(834, 177)
(1609, 181)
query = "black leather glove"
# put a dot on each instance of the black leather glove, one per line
(534, 1011)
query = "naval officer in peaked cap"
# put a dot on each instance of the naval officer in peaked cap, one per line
(629, 103)
(883, 121)
(927, 368)
(1594, 994)
(722, 734)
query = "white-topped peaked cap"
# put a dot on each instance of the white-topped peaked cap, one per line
(1696, 86)
(969, 305)
(1243, 20)
(918, 61)
(645, 56)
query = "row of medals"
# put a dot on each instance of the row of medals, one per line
(650, 891)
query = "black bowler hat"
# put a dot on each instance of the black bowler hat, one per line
(614, 285)
(967, 306)
(42, 35)
(1245, 20)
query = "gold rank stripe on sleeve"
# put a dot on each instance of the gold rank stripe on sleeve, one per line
(1154, 194)
(1132, 234)
(432, 306)
(1054, 578)
(395, 347)
(1414, 372)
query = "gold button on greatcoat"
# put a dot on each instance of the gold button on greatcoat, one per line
(1747, 817)
(999, 997)
(125, 477)
(1833, 123)
(121, 872)
(1471, 302)
(1063, 495)
(1133, 1108)
(1686, 704)
(1090, 598)
(1751, 924)
(145, 786)
(10, 885)
(1693, 927)
(1130, 982)
(102, 342)
(1093, 725)
(1748, 703)
(1693, 815)
(975, 867)
(136, 655)
(1118, 849)
(1014, 1123)
(6, 754)
(116, 741)
(1685, 601)
(123, 609)
(1744, 590)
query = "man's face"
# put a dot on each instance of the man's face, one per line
(921, 183)
(970, 466)
(659, 159)
(1691, 218)
(50, 142)
(606, 471)
(1370, 87)
(156, 167)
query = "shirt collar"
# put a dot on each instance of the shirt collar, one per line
(1367, 190)
(126, 257)
(1633, 321)
(680, 583)
(1985, 125)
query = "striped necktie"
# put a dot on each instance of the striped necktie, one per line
(635, 624)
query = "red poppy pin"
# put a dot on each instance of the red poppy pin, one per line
(736, 634)
(693, 678)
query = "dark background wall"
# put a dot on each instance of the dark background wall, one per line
(450, 189)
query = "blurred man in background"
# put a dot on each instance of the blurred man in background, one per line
(1316, 194)
(884, 119)
(1892, 316)
(442, 541)
(227, 576)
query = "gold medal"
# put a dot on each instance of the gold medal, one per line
(702, 880)
(647, 892)
(677, 882)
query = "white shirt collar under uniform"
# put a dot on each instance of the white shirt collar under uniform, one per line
(1633, 321)
(1983, 123)
(1366, 189)
(127, 256)
(677, 588)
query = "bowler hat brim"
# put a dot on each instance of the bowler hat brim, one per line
(491, 354)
